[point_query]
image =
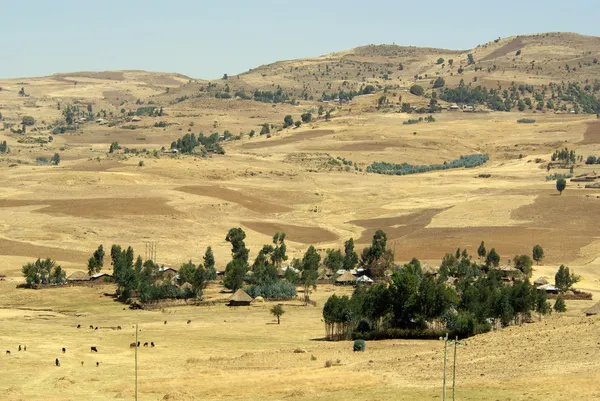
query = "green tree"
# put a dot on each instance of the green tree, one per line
(43, 272)
(320, 111)
(524, 264)
(28, 120)
(55, 159)
(377, 258)
(565, 279)
(417, 90)
(492, 258)
(306, 117)
(277, 311)
(328, 115)
(236, 237)
(406, 108)
(209, 264)
(309, 268)
(288, 121)
(265, 129)
(559, 305)
(450, 61)
(481, 251)
(470, 59)
(350, 256)
(538, 254)
(440, 61)
(238, 267)
(561, 184)
(439, 82)
(279, 251)
(333, 260)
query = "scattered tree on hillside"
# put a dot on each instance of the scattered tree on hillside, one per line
(350, 257)
(440, 61)
(96, 261)
(278, 256)
(538, 254)
(319, 112)
(328, 115)
(450, 62)
(238, 267)
(417, 90)
(492, 258)
(559, 305)
(439, 82)
(306, 117)
(265, 129)
(209, 264)
(561, 184)
(277, 311)
(309, 271)
(4, 147)
(524, 264)
(288, 121)
(55, 159)
(470, 59)
(565, 279)
(333, 260)
(28, 120)
(297, 123)
(376, 259)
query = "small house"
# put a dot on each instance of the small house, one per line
(453, 107)
(594, 310)
(549, 288)
(78, 277)
(136, 119)
(364, 280)
(541, 281)
(345, 279)
(167, 272)
(101, 277)
(240, 298)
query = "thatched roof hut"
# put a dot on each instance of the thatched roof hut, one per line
(594, 310)
(541, 281)
(346, 278)
(78, 276)
(240, 298)
(186, 287)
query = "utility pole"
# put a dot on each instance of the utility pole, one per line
(136, 362)
(454, 371)
(445, 358)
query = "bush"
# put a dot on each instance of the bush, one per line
(363, 326)
(28, 120)
(469, 161)
(359, 345)
(412, 121)
(526, 121)
(417, 90)
(440, 61)
(141, 163)
(278, 290)
(439, 82)
(395, 333)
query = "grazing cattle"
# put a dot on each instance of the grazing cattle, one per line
(19, 347)
(91, 327)
(118, 327)
(64, 350)
(97, 364)
(145, 344)
(24, 348)
(96, 328)
(138, 344)
(78, 326)
(132, 345)
(165, 322)
(94, 349)
(57, 362)
(81, 363)
(7, 352)
(189, 321)
(152, 344)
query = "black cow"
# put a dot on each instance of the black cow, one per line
(138, 344)
(152, 344)
(64, 350)
(94, 349)
(19, 347)
(24, 348)
(81, 363)
(57, 362)
(165, 322)
(97, 364)
(78, 326)
(91, 327)
(132, 345)
(96, 328)
(189, 321)
(145, 344)
(7, 352)
(118, 327)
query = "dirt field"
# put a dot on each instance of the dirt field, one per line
(267, 185)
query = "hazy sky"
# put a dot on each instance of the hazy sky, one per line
(204, 39)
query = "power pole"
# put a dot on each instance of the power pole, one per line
(445, 358)
(454, 371)
(136, 362)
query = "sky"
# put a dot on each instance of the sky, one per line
(205, 39)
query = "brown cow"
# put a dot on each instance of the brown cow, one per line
(7, 352)
(64, 350)
(94, 349)
(145, 344)
(118, 327)
(91, 327)
(189, 321)
(152, 344)
(19, 347)
(132, 345)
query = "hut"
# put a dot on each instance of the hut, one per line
(101, 277)
(168, 272)
(594, 310)
(240, 298)
(345, 279)
(364, 280)
(541, 281)
(78, 277)
(186, 287)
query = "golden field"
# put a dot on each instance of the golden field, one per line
(267, 185)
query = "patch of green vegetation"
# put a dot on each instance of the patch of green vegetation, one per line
(526, 121)
(468, 161)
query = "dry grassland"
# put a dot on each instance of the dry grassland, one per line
(282, 183)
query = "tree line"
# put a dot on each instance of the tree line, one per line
(468, 161)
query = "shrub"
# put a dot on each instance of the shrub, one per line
(297, 123)
(141, 163)
(278, 290)
(559, 305)
(28, 120)
(440, 61)
(439, 82)
(469, 161)
(417, 90)
(359, 345)
(306, 117)
(328, 364)
(526, 121)
(412, 121)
